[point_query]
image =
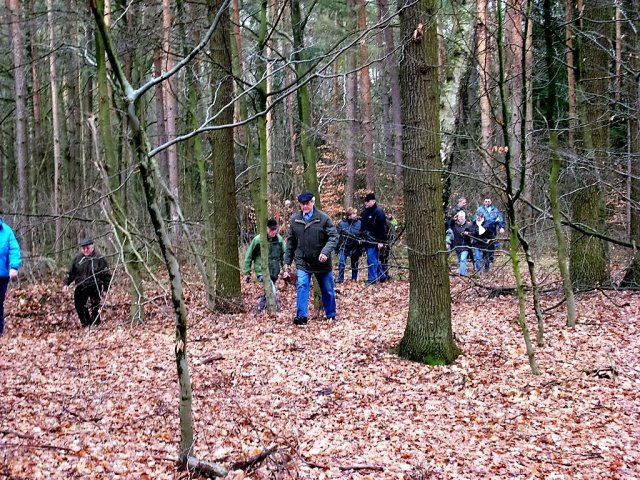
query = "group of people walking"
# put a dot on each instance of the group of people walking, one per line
(311, 240)
(474, 236)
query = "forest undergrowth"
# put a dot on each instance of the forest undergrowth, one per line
(102, 403)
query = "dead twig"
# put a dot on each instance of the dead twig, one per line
(377, 468)
(253, 461)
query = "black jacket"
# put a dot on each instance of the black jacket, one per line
(484, 239)
(306, 241)
(349, 231)
(460, 240)
(374, 225)
(89, 270)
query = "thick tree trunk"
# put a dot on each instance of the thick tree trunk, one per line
(589, 254)
(225, 231)
(428, 335)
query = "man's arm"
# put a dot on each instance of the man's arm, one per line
(14, 256)
(248, 257)
(332, 233)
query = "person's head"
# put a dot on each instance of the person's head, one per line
(86, 246)
(461, 217)
(479, 218)
(487, 202)
(272, 227)
(351, 213)
(462, 202)
(306, 200)
(369, 200)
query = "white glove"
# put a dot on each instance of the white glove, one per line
(13, 274)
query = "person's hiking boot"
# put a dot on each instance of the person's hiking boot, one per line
(300, 321)
(331, 319)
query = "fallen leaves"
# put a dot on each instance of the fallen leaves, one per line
(102, 403)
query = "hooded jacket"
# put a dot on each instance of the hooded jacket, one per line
(9, 250)
(307, 240)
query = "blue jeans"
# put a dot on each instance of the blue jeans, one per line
(262, 303)
(462, 261)
(342, 263)
(4, 282)
(375, 272)
(303, 286)
(483, 255)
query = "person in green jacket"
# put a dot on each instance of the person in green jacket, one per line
(275, 259)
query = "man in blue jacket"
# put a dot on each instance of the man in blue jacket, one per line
(9, 264)
(374, 234)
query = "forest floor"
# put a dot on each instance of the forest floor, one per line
(102, 403)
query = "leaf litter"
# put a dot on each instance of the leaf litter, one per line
(332, 396)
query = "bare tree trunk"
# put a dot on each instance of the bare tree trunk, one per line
(19, 81)
(365, 88)
(351, 102)
(571, 76)
(55, 115)
(170, 110)
(484, 68)
(428, 335)
(225, 230)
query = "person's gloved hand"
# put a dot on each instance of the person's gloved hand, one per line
(13, 274)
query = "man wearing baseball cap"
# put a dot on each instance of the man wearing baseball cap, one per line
(311, 239)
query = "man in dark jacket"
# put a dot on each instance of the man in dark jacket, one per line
(310, 240)
(374, 234)
(349, 244)
(90, 272)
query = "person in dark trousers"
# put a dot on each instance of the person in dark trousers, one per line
(311, 239)
(274, 261)
(374, 234)
(90, 272)
(9, 264)
(483, 240)
(349, 244)
(461, 240)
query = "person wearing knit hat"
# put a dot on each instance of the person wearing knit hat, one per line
(275, 258)
(311, 239)
(374, 233)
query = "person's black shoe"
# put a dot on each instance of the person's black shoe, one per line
(331, 319)
(300, 321)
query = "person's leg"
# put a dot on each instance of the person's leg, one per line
(372, 263)
(462, 261)
(354, 266)
(342, 261)
(94, 296)
(80, 297)
(325, 281)
(488, 257)
(4, 282)
(303, 283)
(477, 256)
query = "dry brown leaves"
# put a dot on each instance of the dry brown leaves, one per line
(103, 403)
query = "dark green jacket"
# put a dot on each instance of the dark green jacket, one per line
(306, 241)
(89, 270)
(276, 254)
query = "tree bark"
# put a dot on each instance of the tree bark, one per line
(225, 230)
(428, 336)
(365, 88)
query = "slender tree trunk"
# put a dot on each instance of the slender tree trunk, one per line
(55, 115)
(351, 102)
(365, 88)
(484, 73)
(131, 260)
(428, 335)
(571, 76)
(170, 110)
(309, 153)
(383, 81)
(19, 82)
